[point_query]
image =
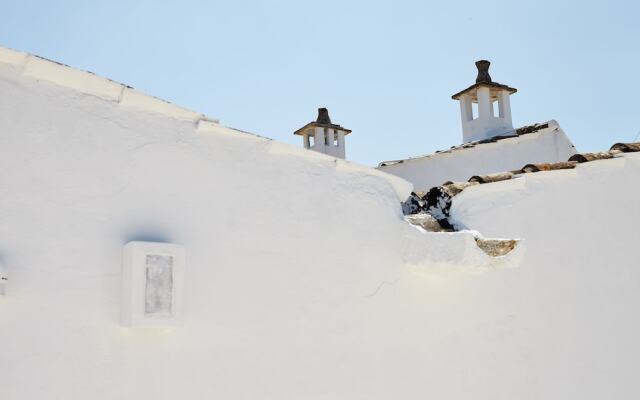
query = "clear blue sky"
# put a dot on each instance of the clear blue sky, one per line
(385, 69)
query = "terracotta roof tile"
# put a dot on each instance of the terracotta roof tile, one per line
(626, 147)
(437, 201)
(549, 166)
(586, 157)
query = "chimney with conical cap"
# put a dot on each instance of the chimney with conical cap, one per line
(324, 136)
(490, 121)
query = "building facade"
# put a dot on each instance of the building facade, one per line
(490, 143)
(148, 252)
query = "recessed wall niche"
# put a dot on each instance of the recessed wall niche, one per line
(152, 281)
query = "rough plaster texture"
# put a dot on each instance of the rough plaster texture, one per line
(546, 145)
(568, 318)
(302, 280)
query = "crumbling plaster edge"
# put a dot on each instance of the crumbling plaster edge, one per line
(39, 68)
(444, 253)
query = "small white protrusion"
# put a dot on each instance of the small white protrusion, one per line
(4, 280)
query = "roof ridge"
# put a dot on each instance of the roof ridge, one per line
(40, 68)
(523, 130)
(437, 201)
(87, 82)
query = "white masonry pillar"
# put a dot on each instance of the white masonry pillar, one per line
(341, 149)
(318, 138)
(505, 106)
(466, 110)
(329, 137)
(484, 103)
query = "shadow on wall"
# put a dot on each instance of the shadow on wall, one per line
(156, 235)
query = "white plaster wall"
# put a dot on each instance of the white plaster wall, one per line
(485, 128)
(296, 284)
(333, 148)
(569, 316)
(547, 145)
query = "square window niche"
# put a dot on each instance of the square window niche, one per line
(152, 284)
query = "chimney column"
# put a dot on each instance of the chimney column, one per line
(485, 111)
(341, 149)
(466, 109)
(318, 138)
(504, 104)
(329, 138)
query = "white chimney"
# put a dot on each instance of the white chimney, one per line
(323, 136)
(494, 109)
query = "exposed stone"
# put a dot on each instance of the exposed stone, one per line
(426, 222)
(413, 205)
(496, 247)
(438, 203)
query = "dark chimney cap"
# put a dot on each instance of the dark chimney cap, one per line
(483, 71)
(323, 116)
(483, 80)
(324, 121)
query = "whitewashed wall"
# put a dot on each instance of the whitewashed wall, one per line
(546, 145)
(302, 279)
(566, 325)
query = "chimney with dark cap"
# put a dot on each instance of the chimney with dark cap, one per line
(493, 117)
(324, 136)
